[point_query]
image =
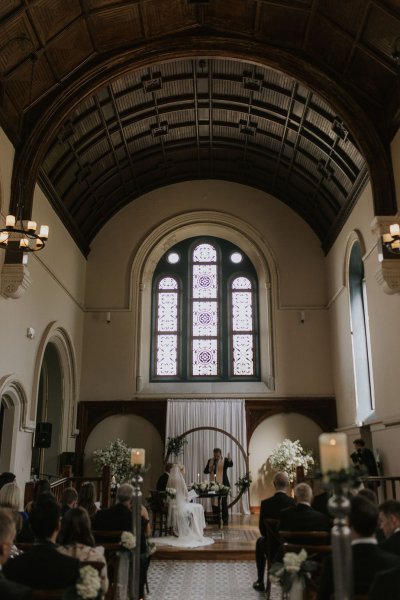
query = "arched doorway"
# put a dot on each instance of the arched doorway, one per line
(49, 409)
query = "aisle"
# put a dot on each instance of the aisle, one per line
(183, 580)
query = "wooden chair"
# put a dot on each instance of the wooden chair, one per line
(273, 542)
(158, 505)
(315, 551)
(306, 537)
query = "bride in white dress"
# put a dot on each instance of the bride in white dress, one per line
(186, 519)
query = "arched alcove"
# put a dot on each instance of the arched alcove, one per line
(136, 432)
(267, 435)
(13, 408)
(176, 229)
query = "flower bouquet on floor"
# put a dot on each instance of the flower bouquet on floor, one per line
(292, 574)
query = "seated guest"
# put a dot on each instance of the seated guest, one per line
(119, 518)
(76, 540)
(69, 499)
(386, 585)
(86, 499)
(10, 497)
(43, 567)
(303, 517)
(372, 497)
(41, 487)
(270, 509)
(9, 590)
(163, 479)
(6, 477)
(368, 557)
(389, 520)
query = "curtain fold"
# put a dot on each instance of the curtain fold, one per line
(228, 415)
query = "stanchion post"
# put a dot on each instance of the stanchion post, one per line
(137, 532)
(339, 508)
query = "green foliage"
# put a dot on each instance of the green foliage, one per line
(243, 483)
(118, 457)
(175, 445)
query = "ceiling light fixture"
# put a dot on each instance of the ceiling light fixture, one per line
(391, 240)
(20, 234)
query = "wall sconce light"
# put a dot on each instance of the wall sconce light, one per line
(391, 241)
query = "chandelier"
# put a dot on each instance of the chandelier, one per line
(391, 240)
(21, 235)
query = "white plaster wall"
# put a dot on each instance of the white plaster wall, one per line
(56, 295)
(264, 440)
(302, 351)
(136, 432)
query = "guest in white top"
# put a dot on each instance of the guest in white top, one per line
(76, 540)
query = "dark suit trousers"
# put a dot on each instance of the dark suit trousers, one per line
(261, 558)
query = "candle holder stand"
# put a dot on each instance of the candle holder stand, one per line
(136, 529)
(339, 508)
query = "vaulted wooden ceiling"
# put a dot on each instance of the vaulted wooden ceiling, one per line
(107, 99)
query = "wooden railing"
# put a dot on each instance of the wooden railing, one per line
(387, 488)
(67, 479)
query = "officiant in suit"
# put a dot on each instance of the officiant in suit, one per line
(217, 467)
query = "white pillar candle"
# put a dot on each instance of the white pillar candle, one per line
(198, 477)
(137, 457)
(10, 221)
(333, 452)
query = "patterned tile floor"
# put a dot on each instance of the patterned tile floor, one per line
(190, 580)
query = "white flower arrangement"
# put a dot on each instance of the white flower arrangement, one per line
(289, 455)
(89, 583)
(293, 566)
(128, 540)
(118, 457)
(205, 487)
(171, 492)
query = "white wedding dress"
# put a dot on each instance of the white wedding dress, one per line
(186, 519)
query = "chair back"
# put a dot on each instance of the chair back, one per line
(104, 536)
(47, 594)
(306, 537)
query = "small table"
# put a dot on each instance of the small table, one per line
(212, 496)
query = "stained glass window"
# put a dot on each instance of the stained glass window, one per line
(167, 328)
(205, 313)
(242, 327)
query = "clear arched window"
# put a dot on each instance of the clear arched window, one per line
(205, 313)
(360, 334)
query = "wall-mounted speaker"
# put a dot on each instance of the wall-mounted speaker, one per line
(43, 435)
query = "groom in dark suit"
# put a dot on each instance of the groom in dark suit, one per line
(267, 546)
(217, 468)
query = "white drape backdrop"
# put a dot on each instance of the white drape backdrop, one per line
(228, 415)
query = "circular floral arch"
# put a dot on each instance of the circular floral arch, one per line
(238, 444)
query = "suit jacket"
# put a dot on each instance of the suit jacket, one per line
(162, 482)
(386, 585)
(9, 590)
(303, 518)
(392, 544)
(227, 463)
(368, 559)
(320, 503)
(118, 518)
(366, 458)
(43, 567)
(270, 508)
(115, 518)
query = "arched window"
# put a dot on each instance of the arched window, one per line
(360, 334)
(205, 313)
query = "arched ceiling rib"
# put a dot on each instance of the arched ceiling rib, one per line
(206, 116)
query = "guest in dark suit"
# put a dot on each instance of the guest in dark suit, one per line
(217, 467)
(368, 557)
(389, 520)
(163, 479)
(270, 508)
(119, 518)
(303, 517)
(9, 590)
(43, 567)
(363, 456)
(386, 585)
(320, 503)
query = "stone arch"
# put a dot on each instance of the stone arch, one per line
(59, 338)
(353, 237)
(37, 140)
(14, 400)
(192, 224)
